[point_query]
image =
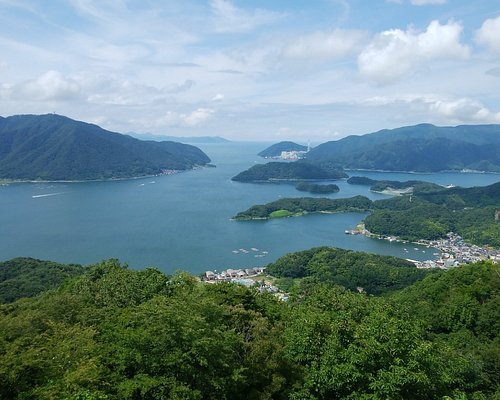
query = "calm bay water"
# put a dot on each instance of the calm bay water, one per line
(183, 221)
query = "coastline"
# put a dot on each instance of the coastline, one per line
(167, 172)
(454, 250)
(460, 171)
(299, 214)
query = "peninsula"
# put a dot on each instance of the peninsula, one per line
(56, 148)
(473, 213)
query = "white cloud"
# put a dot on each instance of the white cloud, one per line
(440, 109)
(52, 85)
(198, 116)
(395, 53)
(218, 97)
(489, 34)
(230, 18)
(334, 44)
(464, 110)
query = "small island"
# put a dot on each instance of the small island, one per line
(315, 188)
(286, 171)
(289, 207)
(395, 187)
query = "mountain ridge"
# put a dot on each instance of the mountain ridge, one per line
(421, 148)
(55, 147)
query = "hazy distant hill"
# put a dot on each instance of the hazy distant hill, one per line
(425, 148)
(54, 147)
(276, 149)
(182, 139)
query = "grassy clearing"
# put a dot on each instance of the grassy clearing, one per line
(280, 214)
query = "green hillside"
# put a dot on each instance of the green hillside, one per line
(53, 147)
(26, 277)
(113, 333)
(293, 171)
(423, 148)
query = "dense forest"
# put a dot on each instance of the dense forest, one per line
(425, 214)
(424, 148)
(371, 273)
(469, 212)
(26, 277)
(53, 147)
(114, 333)
(276, 149)
(303, 205)
(286, 171)
(381, 185)
(315, 188)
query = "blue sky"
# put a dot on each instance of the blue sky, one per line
(312, 70)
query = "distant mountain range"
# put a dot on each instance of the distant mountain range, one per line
(276, 149)
(54, 147)
(182, 139)
(422, 148)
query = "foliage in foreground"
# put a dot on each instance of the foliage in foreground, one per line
(114, 333)
(353, 270)
(26, 277)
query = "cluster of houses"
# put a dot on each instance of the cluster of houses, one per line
(455, 251)
(229, 274)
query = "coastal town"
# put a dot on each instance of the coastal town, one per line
(454, 251)
(249, 277)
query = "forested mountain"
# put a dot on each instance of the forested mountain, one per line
(424, 148)
(53, 147)
(114, 333)
(26, 277)
(276, 149)
(293, 171)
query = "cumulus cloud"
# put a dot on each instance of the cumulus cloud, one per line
(334, 44)
(395, 53)
(230, 18)
(51, 85)
(489, 34)
(198, 116)
(433, 107)
(464, 110)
